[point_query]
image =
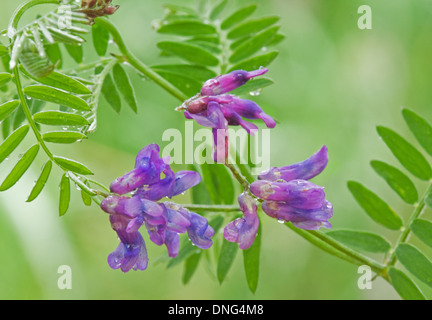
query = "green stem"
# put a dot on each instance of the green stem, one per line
(407, 228)
(211, 208)
(334, 247)
(136, 63)
(37, 134)
(238, 176)
(16, 16)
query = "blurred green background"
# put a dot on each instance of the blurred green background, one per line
(334, 83)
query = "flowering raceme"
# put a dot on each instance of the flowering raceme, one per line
(214, 109)
(288, 196)
(164, 221)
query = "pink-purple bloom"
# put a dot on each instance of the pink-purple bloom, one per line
(152, 180)
(243, 230)
(215, 109)
(288, 196)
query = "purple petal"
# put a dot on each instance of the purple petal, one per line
(234, 119)
(247, 204)
(162, 188)
(199, 231)
(304, 170)
(172, 242)
(185, 180)
(250, 110)
(283, 211)
(242, 230)
(129, 255)
(229, 81)
(176, 221)
(297, 193)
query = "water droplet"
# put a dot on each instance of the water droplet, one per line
(281, 221)
(65, 128)
(264, 49)
(255, 92)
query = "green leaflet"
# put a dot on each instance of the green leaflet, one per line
(187, 28)
(20, 168)
(64, 198)
(72, 165)
(12, 141)
(5, 78)
(185, 84)
(56, 96)
(415, 262)
(7, 108)
(256, 62)
(374, 206)
(190, 266)
(226, 259)
(75, 51)
(41, 181)
(407, 155)
(251, 27)
(406, 288)
(199, 73)
(361, 240)
(423, 230)
(421, 129)
(252, 86)
(254, 44)
(216, 11)
(63, 136)
(100, 37)
(397, 180)
(125, 87)
(61, 81)
(110, 93)
(251, 257)
(218, 182)
(58, 118)
(238, 16)
(189, 52)
(186, 250)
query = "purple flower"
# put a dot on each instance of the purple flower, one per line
(243, 230)
(148, 168)
(151, 180)
(228, 82)
(304, 170)
(214, 109)
(131, 253)
(288, 196)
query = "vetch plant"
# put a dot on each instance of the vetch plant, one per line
(221, 59)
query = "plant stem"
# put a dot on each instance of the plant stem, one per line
(211, 208)
(238, 176)
(407, 228)
(38, 136)
(16, 16)
(136, 63)
(334, 247)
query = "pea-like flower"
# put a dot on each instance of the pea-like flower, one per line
(214, 109)
(288, 196)
(152, 180)
(243, 230)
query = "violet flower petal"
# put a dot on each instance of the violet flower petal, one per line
(304, 170)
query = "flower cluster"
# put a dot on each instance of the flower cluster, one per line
(286, 195)
(289, 196)
(214, 109)
(164, 221)
(97, 8)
